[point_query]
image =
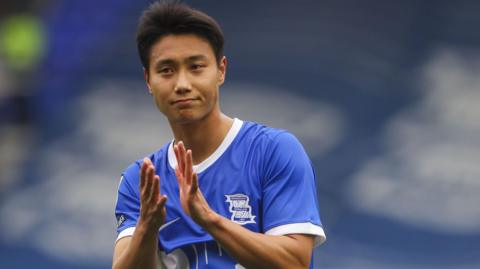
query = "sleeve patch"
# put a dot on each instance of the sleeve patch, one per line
(120, 220)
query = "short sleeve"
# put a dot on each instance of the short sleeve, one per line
(128, 203)
(289, 190)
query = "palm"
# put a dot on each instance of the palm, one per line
(191, 197)
(152, 203)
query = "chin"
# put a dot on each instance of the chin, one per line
(184, 118)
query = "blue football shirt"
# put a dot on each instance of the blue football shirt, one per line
(259, 177)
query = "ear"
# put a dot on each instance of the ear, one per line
(147, 80)
(222, 70)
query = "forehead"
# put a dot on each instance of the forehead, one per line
(178, 47)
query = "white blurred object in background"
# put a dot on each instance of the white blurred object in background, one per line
(429, 175)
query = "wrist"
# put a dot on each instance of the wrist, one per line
(146, 227)
(211, 221)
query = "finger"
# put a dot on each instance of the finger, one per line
(188, 167)
(181, 151)
(155, 189)
(144, 178)
(194, 187)
(148, 184)
(151, 179)
(181, 157)
(143, 170)
(181, 183)
(179, 178)
(177, 154)
(162, 200)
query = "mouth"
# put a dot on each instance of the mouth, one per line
(184, 101)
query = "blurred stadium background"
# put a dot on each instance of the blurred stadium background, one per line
(384, 95)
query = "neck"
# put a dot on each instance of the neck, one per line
(202, 137)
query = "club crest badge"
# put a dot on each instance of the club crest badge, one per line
(240, 209)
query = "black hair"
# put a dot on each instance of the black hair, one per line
(163, 18)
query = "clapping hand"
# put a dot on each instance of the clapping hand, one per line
(191, 197)
(152, 203)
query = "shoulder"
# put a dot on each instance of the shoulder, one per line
(275, 149)
(264, 133)
(132, 169)
(273, 138)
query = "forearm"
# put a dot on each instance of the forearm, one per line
(141, 252)
(256, 250)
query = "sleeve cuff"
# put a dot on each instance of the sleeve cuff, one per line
(127, 232)
(300, 228)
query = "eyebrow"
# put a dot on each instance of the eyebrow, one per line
(170, 61)
(194, 58)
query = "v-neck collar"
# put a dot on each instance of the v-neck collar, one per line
(232, 133)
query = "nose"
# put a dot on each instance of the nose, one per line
(182, 84)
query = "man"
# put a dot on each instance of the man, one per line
(224, 193)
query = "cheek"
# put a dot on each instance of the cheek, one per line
(158, 102)
(213, 87)
(212, 93)
(160, 99)
(212, 99)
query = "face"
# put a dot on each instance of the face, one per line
(184, 78)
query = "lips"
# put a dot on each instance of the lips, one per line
(184, 102)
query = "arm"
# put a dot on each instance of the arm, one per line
(256, 250)
(252, 250)
(140, 250)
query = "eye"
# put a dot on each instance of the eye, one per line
(196, 67)
(166, 70)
